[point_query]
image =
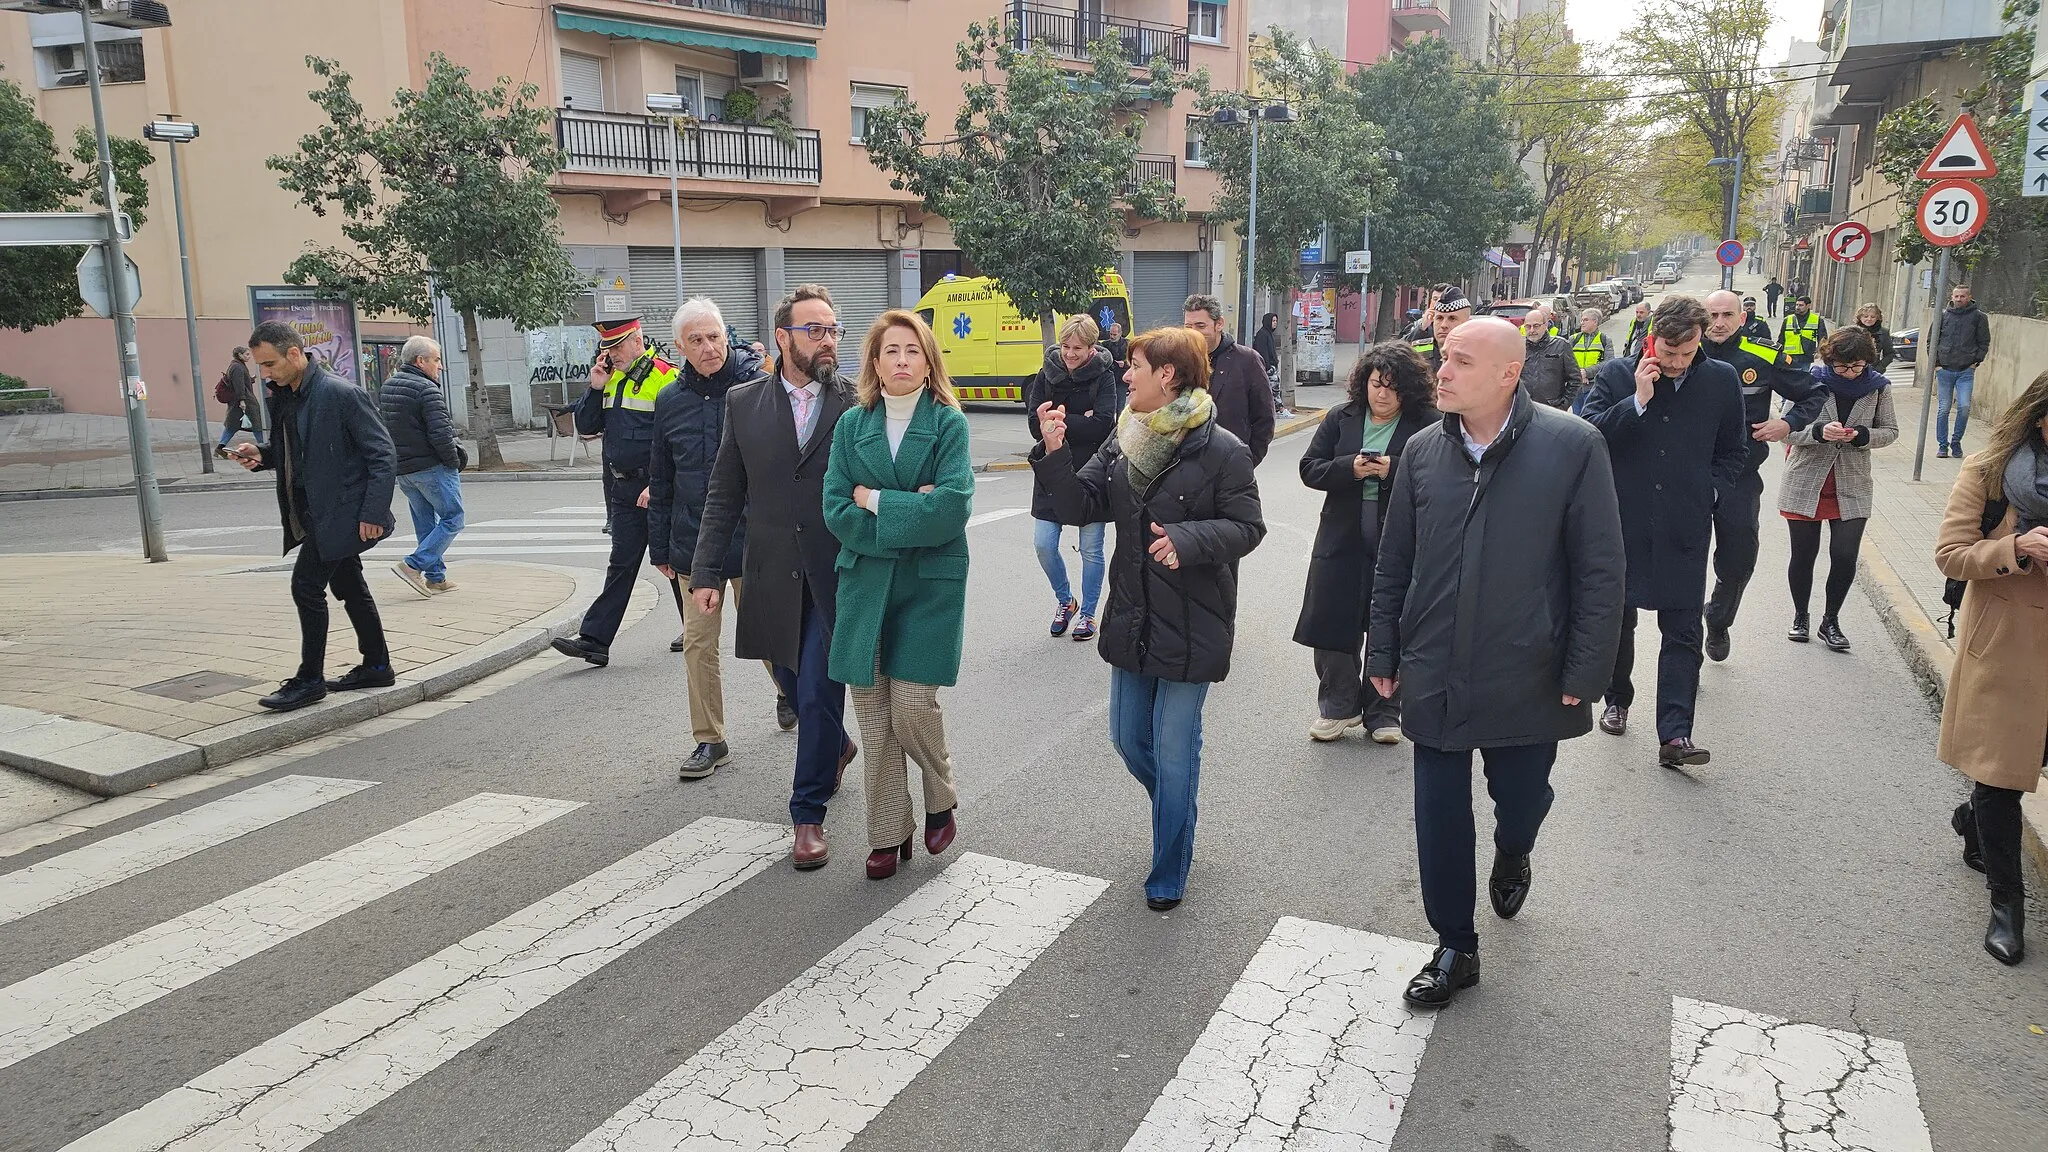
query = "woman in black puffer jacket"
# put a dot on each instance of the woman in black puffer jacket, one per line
(1079, 378)
(1186, 506)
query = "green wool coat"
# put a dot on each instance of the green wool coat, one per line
(902, 573)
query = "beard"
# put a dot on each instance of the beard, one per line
(820, 366)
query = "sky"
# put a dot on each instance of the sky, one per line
(1600, 21)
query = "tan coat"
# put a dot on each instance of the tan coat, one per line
(1994, 722)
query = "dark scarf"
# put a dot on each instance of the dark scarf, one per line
(1844, 388)
(2026, 484)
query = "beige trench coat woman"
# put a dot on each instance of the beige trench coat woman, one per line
(1994, 721)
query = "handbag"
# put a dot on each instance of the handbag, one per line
(1952, 591)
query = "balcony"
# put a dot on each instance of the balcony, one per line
(1153, 168)
(1816, 201)
(1070, 33)
(639, 145)
(1413, 16)
(810, 12)
(1874, 42)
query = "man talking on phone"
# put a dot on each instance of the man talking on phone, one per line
(624, 382)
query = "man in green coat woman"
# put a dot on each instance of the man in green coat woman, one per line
(898, 491)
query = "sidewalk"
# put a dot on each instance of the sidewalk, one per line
(117, 675)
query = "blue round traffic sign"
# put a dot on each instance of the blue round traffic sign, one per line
(1729, 253)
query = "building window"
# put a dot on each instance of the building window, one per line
(1195, 154)
(1205, 21)
(582, 82)
(870, 96)
(705, 91)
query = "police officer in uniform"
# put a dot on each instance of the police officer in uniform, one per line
(1763, 371)
(1754, 326)
(1450, 310)
(1802, 334)
(624, 382)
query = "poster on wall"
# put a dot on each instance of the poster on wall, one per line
(1315, 330)
(326, 322)
(561, 356)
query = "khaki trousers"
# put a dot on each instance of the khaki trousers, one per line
(702, 632)
(897, 719)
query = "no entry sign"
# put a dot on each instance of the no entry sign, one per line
(1729, 253)
(1849, 241)
(1952, 212)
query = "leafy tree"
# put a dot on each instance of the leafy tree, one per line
(38, 286)
(1324, 168)
(449, 193)
(1038, 171)
(1458, 187)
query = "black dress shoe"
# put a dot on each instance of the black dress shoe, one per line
(1509, 885)
(1965, 823)
(1162, 903)
(785, 713)
(584, 648)
(676, 645)
(1446, 973)
(2005, 939)
(295, 693)
(1831, 635)
(1717, 643)
(708, 758)
(1798, 633)
(363, 676)
(1614, 721)
(1681, 752)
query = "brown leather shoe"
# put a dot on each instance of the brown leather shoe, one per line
(846, 756)
(811, 849)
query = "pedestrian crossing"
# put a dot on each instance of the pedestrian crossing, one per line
(1310, 1050)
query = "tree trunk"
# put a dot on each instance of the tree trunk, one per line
(480, 426)
(1286, 354)
(1383, 326)
(1045, 332)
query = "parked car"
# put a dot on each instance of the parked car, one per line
(1666, 274)
(1603, 295)
(1512, 311)
(1632, 289)
(1906, 346)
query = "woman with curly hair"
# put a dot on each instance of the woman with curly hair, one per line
(1352, 461)
(1827, 477)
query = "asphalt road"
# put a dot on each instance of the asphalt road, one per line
(1807, 875)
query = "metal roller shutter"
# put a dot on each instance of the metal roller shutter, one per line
(582, 82)
(727, 275)
(860, 288)
(1159, 286)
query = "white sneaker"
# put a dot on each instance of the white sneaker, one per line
(1324, 730)
(414, 578)
(1387, 734)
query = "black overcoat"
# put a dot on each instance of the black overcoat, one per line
(1090, 389)
(781, 491)
(689, 426)
(349, 470)
(1339, 593)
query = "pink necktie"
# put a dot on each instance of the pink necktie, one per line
(803, 413)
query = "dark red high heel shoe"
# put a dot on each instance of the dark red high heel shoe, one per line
(882, 861)
(938, 838)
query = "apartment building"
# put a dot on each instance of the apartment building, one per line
(762, 208)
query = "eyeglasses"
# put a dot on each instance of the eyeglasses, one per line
(818, 331)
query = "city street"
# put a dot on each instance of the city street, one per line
(509, 927)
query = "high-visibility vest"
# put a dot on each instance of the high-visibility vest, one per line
(1765, 352)
(1796, 338)
(635, 387)
(1424, 348)
(1586, 349)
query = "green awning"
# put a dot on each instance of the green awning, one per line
(693, 37)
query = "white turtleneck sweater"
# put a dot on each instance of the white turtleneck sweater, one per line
(899, 410)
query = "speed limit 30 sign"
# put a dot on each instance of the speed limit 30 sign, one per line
(1952, 212)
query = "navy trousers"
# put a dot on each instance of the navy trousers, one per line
(1736, 528)
(1518, 779)
(1678, 668)
(820, 718)
(629, 552)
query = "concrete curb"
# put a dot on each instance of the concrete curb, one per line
(1303, 418)
(108, 761)
(1929, 658)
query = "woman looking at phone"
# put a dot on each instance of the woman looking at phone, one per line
(1827, 477)
(1351, 461)
(1186, 507)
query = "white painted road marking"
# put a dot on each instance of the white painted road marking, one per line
(1312, 1049)
(290, 1091)
(980, 518)
(818, 1060)
(60, 1002)
(1744, 1082)
(117, 858)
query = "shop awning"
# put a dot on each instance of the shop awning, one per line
(691, 37)
(1500, 260)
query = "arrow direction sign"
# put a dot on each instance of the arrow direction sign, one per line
(2037, 182)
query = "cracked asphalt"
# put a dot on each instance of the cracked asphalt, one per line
(1806, 875)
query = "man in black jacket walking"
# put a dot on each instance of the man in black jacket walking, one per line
(1964, 342)
(334, 468)
(430, 462)
(1674, 428)
(1237, 377)
(1550, 372)
(1496, 606)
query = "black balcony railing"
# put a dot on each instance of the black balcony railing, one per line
(794, 11)
(1816, 201)
(1070, 33)
(599, 142)
(1153, 168)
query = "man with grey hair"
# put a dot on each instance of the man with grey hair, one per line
(1550, 373)
(430, 462)
(1237, 377)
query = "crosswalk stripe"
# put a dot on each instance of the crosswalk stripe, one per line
(117, 858)
(291, 1091)
(557, 522)
(1311, 1049)
(1745, 1082)
(590, 510)
(823, 1056)
(980, 518)
(60, 1002)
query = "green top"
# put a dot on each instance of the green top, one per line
(1375, 439)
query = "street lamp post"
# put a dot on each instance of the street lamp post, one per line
(1734, 199)
(174, 132)
(1279, 114)
(672, 105)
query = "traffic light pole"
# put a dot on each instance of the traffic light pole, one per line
(149, 502)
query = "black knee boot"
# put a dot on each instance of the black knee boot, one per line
(1997, 812)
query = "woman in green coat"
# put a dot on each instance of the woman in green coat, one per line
(898, 491)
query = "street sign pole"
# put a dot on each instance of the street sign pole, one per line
(1926, 361)
(191, 313)
(149, 502)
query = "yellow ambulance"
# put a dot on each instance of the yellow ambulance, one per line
(990, 350)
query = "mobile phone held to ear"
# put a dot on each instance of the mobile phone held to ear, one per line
(1650, 345)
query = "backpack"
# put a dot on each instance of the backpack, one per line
(221, 391)
(1952, 591)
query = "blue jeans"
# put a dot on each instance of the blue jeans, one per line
(1047, 539)
(1156, 726)
(435, 495)
(1952, 384)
